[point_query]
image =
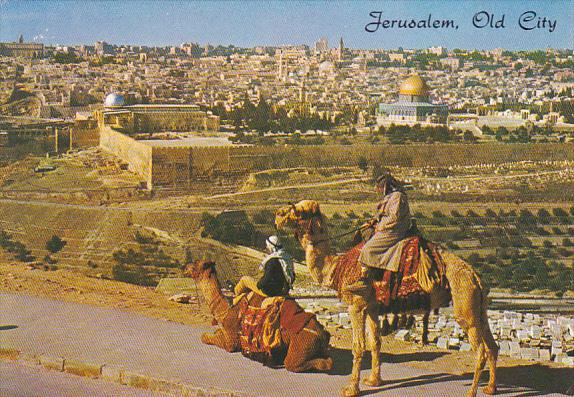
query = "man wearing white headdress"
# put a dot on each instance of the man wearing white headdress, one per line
(278, 272)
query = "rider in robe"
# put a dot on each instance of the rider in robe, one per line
(392, 224)
(278, 272)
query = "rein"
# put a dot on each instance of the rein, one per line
(360, 228)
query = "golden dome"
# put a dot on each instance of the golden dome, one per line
(414, 85)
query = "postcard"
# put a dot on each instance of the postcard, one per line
(286, 198)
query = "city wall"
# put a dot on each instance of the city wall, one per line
(251, 158)
(136, 154)
(85, 137)
(182, 166)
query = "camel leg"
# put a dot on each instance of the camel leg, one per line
(374, 336)
(317, 364)
(307, 350)
(425, 338)
(395, 322)
(478, 345)
(403, 320)
(386, 327)
(492, 356)
(357, 313)
(219, 339)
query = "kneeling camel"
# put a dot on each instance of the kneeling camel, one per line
(306, 349)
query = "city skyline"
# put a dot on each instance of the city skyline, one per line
(250, 24)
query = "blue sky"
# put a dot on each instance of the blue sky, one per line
(251, 23)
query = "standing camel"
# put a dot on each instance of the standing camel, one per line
(306, 349)
(468, 297)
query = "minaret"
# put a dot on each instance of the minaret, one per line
(340, 50)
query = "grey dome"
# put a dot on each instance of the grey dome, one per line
(114, 99)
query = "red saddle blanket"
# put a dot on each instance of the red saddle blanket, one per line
(260, 327)
(399, 284)
(254, 320)
(395, 291)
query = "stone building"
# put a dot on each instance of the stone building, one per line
(154, 117)
(21, 49)
(414, 105)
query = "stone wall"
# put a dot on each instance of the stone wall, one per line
(136, 154)
(181, 166)
(85, 137)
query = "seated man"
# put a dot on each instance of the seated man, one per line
(278, 273)
(392, 224)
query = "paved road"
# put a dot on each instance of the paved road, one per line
(173, 351)
(22, 381)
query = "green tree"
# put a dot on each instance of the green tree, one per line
(363, 163)
(55, 244)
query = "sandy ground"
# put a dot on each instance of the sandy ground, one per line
(73, 287)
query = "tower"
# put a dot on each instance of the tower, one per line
(21, 39)
(340, 50)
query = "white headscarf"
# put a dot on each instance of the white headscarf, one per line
(276, 251)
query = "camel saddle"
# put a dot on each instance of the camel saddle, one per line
(262, 320)
(419, 270)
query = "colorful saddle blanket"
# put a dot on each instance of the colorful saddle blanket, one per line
(260, 330)
(421, 268)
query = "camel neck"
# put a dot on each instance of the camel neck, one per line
(218, 305)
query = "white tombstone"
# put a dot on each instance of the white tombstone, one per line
(442, 342)
(522, 334)
(465, 347)
(514, 348)
(558, 358)
(504, 347)
(544, 354)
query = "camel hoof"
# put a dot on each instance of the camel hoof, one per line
(324, 365)
(350, 391)
(373, 382)
(490, 390)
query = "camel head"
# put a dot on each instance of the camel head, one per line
(310, 228)
(304, 213)
(199, 269)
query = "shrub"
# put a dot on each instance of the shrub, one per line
(490, 213)
(142, 239)
(557, 231)
(55, 244)
(233, 227)
(543, 214)
(363, 164)
(437, 214)
(474, 259)
(451, 245)
(567, 242)
(542, 232)
(547, 244)
(472, 214)
(264, 217)
(456, 214)
(351, 215)
(559, 212)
